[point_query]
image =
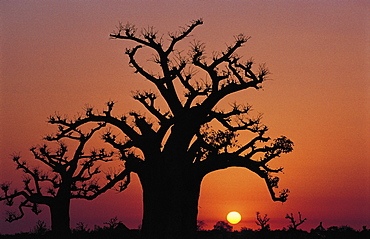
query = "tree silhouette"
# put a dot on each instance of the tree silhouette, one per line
(67, 176)
(222, 226)
(262, 222)
(293, 223)
(113, 223)
(174, 149)
(81, 228)
(40, 228)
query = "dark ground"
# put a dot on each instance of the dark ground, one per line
(331, 233)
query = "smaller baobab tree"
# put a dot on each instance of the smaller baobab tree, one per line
(293, 223)
(263, 222)
(65, 174)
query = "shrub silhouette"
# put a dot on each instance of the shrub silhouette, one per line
(222, 226)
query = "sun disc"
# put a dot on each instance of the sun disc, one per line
(233, 217)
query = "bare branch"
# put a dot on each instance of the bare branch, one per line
(186, 31)
(262, 222)
(9, 201)
(67, 127)
(148, 99)
(96, 191)
(294, 224)
(138, 69)
(239, 41)
(128, 31)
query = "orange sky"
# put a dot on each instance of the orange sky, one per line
(57, 56)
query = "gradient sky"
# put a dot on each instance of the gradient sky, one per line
(56, 56)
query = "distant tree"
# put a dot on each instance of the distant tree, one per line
(40, 228)
(190, 136)
(344, 232)
(320, 227)
(81, 227)
(246, 229)
(262, 222)
(222, 226)
(319, 231)
(113, 223)
(66, 176)
(341, 229)
(293, 223)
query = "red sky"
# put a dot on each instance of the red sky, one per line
(56, 56)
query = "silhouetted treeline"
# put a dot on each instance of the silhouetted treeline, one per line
(120, 231)
(111, 229)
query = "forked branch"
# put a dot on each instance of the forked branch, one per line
(293, 223)
(262, 222)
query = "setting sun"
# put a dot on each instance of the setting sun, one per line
(233, 217)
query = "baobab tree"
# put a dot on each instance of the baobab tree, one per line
(188, 137)
(65, 173)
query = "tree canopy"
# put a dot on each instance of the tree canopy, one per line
(207, 149)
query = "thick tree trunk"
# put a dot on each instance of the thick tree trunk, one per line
(170, 205)
(60, 220)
